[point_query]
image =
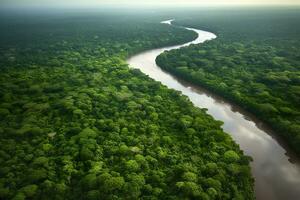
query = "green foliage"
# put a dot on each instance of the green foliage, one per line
(254, 62)
(132, 165)
(77, 123)
(231, 156)
(29, 190)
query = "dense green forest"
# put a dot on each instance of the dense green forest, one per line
(77, 123)
(254, 62)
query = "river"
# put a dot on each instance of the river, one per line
(275, 168)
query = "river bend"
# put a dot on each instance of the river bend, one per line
(275, 168)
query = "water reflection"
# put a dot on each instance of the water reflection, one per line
(275, 168)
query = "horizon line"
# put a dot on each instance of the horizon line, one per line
(148, 5)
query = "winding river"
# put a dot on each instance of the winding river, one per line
(275, 168)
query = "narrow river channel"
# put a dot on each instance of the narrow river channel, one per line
(275, 168)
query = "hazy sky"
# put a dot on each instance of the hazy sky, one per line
(147, 2)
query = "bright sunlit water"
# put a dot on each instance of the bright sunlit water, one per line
(275, 169)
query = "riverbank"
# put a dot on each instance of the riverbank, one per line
(269, 157)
